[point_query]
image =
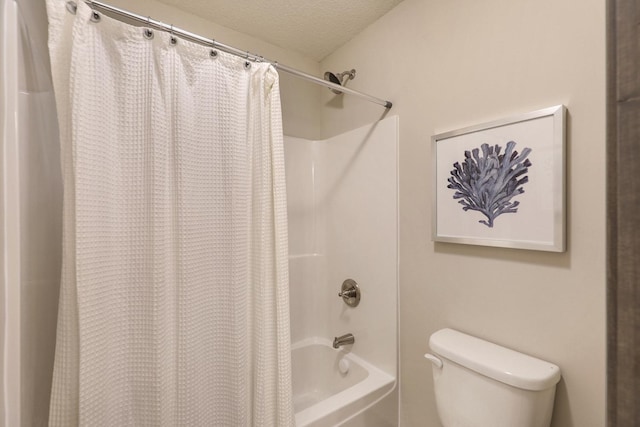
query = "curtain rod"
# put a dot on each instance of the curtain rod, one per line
(152, 23)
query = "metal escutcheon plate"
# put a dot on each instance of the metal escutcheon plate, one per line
(350, 293)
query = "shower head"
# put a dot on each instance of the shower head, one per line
(339, 78)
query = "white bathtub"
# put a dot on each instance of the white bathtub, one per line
(322, 395)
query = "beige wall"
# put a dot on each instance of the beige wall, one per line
(300, 100)
(451, 64)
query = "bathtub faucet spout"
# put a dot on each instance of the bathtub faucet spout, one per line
(343, 340)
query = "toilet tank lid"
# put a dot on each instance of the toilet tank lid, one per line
(494, 361)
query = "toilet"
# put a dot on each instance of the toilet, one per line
(481, 384)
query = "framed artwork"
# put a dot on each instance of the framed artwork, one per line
(502, 183)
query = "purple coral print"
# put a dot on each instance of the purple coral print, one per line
(488, 182)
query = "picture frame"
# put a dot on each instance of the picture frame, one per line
(502, 183)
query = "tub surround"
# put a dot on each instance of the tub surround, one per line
(342, 201)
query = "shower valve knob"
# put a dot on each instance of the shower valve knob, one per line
(350, 293)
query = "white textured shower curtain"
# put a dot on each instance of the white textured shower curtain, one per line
(174, 295)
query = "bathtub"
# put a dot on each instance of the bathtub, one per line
(322, 395)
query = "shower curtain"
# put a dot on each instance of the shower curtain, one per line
(174, 294)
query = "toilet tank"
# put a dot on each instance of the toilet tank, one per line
(479, 384)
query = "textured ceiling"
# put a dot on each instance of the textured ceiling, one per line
(311, 27)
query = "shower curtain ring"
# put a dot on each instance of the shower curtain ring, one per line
(148, 33)
(72, 7)
(172, 39)
(213, 53)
